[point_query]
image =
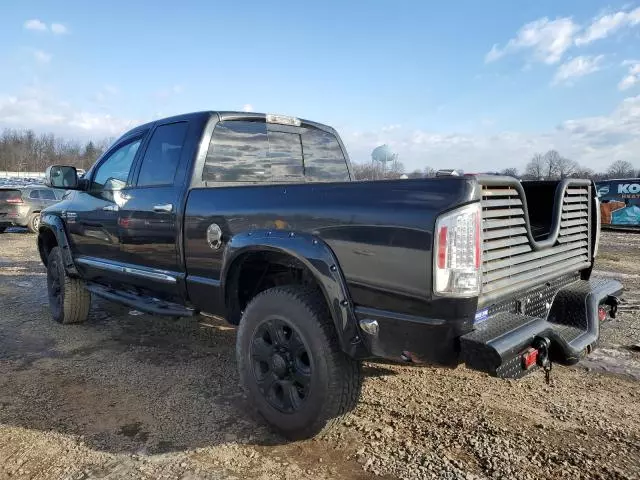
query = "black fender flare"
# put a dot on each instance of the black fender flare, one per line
(319, 259)
(55, 224)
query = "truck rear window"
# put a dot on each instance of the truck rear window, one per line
(251, 152)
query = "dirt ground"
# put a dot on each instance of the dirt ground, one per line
(135, 396)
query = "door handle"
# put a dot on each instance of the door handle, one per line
(110, 208)
(164, 208)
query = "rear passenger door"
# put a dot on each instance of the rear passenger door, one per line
(149, 222)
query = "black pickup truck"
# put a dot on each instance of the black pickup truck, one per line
(254, 218)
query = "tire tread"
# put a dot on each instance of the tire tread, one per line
(76, 299)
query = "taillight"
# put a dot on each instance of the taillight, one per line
(14, 200)
(602, 313)
(529, 358)
(442, 247)
(458, 252)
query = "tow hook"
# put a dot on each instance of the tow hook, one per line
(542, 344)
(613, 303)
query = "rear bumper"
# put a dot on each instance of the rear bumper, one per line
(572, 326)
(14, 217)
(494, 346)
(401, 337)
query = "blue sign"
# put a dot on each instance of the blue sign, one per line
(620, 202)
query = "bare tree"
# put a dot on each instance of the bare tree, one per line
(429, 172)
(583, 172)
(511, 172)
(565, 167)
(363, 171)
(621, 169)
(552, 161)
(415, 174)
(26, 151)
(395, 169)
(535, 169)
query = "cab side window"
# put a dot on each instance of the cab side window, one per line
(112, 174)
(162, 157)
(238, 153)
(324, 160)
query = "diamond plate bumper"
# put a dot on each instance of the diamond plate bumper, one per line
(572, 325)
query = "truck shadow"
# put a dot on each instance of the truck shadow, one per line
(124, 382)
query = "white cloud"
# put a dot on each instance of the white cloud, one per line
(41, 56)
(633, 75)
(391, 128)
(247, 107)
(40, 26)
(548, 40)
(39, 109)
(36, 25)
(594, 142)
(59, 29)
(577, 67)
(605, 25)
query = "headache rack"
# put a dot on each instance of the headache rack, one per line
(516, 255)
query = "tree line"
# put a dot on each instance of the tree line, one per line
(552, 165)
(26, 151)
(542, 166)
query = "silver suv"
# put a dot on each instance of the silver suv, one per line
(21, 205)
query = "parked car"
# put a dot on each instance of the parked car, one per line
(21, 205)
(254, 218)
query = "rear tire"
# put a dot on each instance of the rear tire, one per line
(3, 228)
(34, 222)
(68, 299)
(291, 364)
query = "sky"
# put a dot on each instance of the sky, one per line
(470, 84)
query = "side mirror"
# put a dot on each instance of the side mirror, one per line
(61, 176)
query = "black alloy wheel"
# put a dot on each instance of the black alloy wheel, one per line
(282, 365)
(291, 364)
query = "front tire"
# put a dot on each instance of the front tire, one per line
(291, 364)
(68, 299)
(34, 222)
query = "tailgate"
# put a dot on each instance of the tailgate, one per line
(519, 254)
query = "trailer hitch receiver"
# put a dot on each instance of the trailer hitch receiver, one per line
(542, 344)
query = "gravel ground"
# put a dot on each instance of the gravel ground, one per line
(135, 396)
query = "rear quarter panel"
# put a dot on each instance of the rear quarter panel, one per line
(381, 232)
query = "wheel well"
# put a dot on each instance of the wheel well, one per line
(255, 272)
(46, 241)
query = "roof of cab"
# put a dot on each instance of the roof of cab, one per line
(222, 114)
